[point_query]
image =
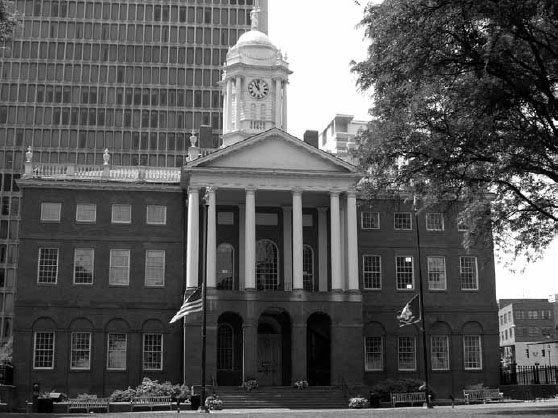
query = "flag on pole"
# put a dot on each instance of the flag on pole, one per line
(410, 314)
(193, 303)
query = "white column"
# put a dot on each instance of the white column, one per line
(288, 248)
(192, 238)
(284, 106)
(352, 240)
(343, 251)
(250, 240)
(238, 101)
(241, 246)
(336, 273)
(297, 240)
(211, 238)
(278, 115)
(322, 249)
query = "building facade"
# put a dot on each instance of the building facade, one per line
(338, 137)
(132, 76)
(528, 331)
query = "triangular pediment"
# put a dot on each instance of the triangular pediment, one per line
(274, 150)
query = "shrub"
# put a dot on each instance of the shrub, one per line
(358, 402)
(86, 396)
(250, 384)
(122, 395)
(213, 403)
(150, 387)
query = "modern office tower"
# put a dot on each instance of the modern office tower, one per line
(133, 76)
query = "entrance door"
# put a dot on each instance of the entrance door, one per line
(318, 346)
(269, 359)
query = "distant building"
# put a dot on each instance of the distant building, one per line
(338, 137)
(527, 330)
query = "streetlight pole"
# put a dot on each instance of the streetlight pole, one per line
(421, 307)
(204, 301)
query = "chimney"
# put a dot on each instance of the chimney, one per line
(311, 138)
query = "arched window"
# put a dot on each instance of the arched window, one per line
(308, 268)
(267, 265)
(225, 347)
(225, 267)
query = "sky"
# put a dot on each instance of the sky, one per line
(320, 39)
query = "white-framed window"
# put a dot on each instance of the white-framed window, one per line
(225, 266)
(472, 352)
(404, 274)
(436, 273)
(51, 212)
(43, 350)
(86, 212)
(462, 223)
(155, 268)
(48, 266)
(225, 347)
(121, 214)
(370, 220)
(119, 267)
(308, 268)
(520, 314)
(80, 358)
(434, 222)
(374, 353)
(406, 353)
(532, 314)
(372, 271)
(468, 273)
(267, 265)
(156, 215)
(117, 344)
(440, 352)
(153, 352)
(402, 221)
(84, 259)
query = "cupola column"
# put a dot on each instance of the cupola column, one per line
(238, 102)
(192, 239)
(278, 109)
(284, 106)
(336, 273)
(228, 107)
(250, 240)
(297, 241)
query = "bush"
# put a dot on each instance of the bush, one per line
(358, 402)
(150, 387)
(388, 386)
(250, 384)
(213, 403)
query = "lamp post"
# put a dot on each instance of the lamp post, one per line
(421, 307)
(204, 301)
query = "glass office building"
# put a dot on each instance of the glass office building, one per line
(134, 76)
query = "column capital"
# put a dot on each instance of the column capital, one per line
(297, 190)
(250, 189)
(334, 193)
(193, 189)
(352, 193)
(322, 209)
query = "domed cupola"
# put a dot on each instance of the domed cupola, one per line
(255, 79)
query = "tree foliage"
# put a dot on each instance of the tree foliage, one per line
(465, 103)
(8, 19)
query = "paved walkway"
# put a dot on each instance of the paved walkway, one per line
(542, 409)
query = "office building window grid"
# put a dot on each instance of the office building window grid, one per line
(48, 266)
(372, 271)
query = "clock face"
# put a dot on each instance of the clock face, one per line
(258, 88)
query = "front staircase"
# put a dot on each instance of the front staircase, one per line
(314, 397)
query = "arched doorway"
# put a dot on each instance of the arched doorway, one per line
(229, 349)
(318, 349)
(274, 348)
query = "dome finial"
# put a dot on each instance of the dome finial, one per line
(255, 18)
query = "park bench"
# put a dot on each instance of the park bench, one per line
(151, 402)
(89, 404)
(408, 398)
(482, 395)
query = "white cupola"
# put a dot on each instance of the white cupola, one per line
(254, 83)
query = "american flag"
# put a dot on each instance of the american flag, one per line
(193, 303)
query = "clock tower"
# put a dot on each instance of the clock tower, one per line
(254, 83)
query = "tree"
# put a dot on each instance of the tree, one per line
(465, 110)
(8, 20)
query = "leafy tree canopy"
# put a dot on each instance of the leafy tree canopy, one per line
(465, 103)
(8, 19)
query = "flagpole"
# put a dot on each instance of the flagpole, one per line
(421, 308)
(204, 301)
